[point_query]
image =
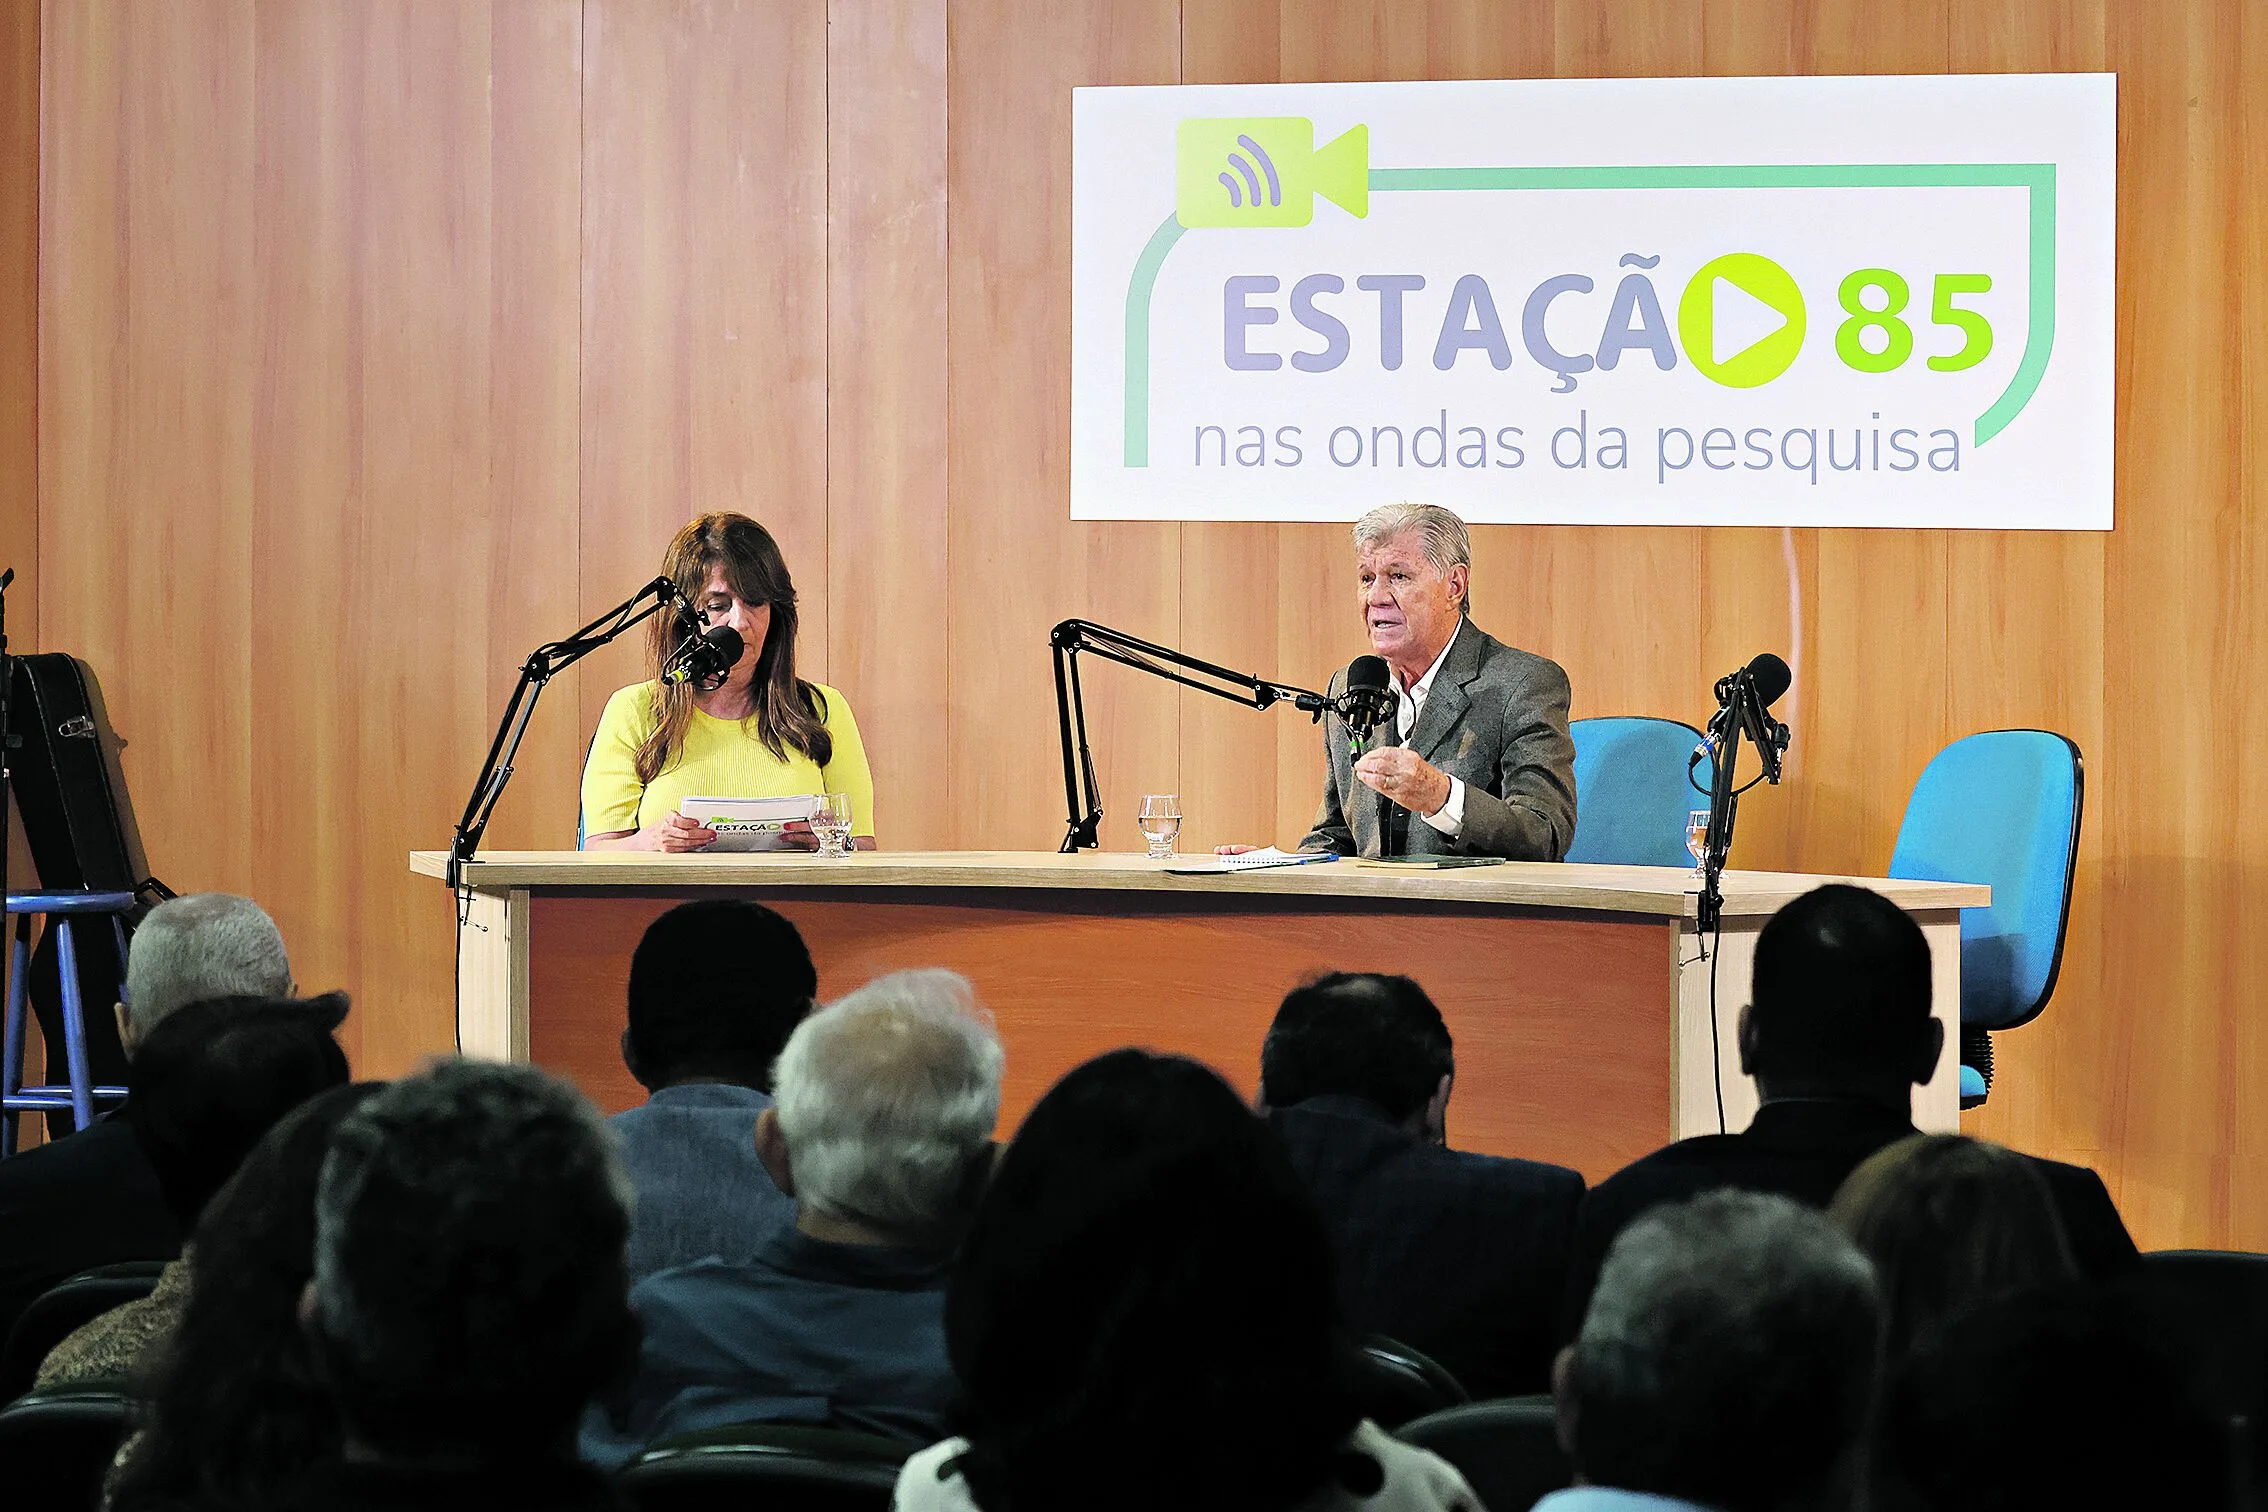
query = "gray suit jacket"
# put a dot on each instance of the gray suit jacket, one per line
(1496, 718)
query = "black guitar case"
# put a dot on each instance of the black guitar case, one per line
(70, 795)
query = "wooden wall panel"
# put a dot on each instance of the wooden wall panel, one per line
(147, 355)
(889, 568)
(379, 342)
(19, 314)
(316, 459)
(1019, 563)
(704, 296)
(2183, 622)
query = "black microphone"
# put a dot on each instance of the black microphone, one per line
(1767, 677)
(1767, 674)
(705, 658)
(1369, 699)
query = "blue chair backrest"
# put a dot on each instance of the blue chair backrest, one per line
(1632, 792)
(2002, 808)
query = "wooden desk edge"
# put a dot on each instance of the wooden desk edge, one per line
(1637, 890)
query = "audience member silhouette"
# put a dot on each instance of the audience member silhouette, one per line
(882, 1133)
(1462, 1256)
(1837, 1033)
(209, 1082)
(90, 1199)
(469, 1295)
(1725, 1363)
(716, 986)
(1144, 1317)
(2044, 1401)
(1949, 1222)
(234, 1409)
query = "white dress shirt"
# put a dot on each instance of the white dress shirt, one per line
(1409, 703)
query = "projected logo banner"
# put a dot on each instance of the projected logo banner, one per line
(1864, 301)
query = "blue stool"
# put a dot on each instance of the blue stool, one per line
(79, 1097)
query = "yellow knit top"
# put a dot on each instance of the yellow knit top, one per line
(721, 758)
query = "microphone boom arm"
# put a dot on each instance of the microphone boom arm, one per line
(1742, 713)
(543, 664)
(1082, 793)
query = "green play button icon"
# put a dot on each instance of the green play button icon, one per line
(1741, 320)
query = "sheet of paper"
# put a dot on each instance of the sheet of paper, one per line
(751, 824)
(1256, 860)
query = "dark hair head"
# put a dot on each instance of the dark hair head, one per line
(2063, 1397)
(1357, 1034)
(215, 1076)
(235, 1410)
(789, 711)
(1950, 1221)
(1727, 1356)
(470, 1292)
(1841, 992)
(716, 988)
(1146, 1287)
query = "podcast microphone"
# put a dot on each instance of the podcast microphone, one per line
(1768, 677)
(1369, 699)
(705, 658)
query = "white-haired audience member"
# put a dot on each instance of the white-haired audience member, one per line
(91, 1199)
(193, 949)
(881, 1131)
(1725, 1363)
(469, 1295)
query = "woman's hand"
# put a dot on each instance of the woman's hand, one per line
(675, 834)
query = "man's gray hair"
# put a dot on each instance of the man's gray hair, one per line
(1441, 535)
(469, 1277)
(202, 946)
(887, 1099)
(1728, 1354)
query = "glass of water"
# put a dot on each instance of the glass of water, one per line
(1697, 839)
(831, 822)
(1160, 822)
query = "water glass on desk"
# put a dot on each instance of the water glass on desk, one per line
(831, 822)
(1160, 821)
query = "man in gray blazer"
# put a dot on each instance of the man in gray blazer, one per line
(1477, 760)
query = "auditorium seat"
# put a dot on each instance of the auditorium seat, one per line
(2003, 808)
(774, 1466)
(2214, 1303)
(56, 1312)
(1507, 1449)
(1394, 1383)
(1632, 790)
(56, 1446)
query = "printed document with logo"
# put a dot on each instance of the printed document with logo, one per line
(752, 824)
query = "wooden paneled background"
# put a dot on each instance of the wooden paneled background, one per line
(378, 342)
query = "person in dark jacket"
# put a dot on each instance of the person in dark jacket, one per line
(1837, 1033)
(91, 1199)
(1458, 1255)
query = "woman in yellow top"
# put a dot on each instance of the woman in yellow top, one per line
(762, 733)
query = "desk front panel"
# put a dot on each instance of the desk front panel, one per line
(1563, 1020)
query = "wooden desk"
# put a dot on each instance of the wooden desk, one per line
(1578, 996)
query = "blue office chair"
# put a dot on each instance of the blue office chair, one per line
(2001, 808)
(1632, 792)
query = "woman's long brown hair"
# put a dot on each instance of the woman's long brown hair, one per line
(787, 711)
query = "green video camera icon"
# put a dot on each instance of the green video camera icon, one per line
(1266, 171)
